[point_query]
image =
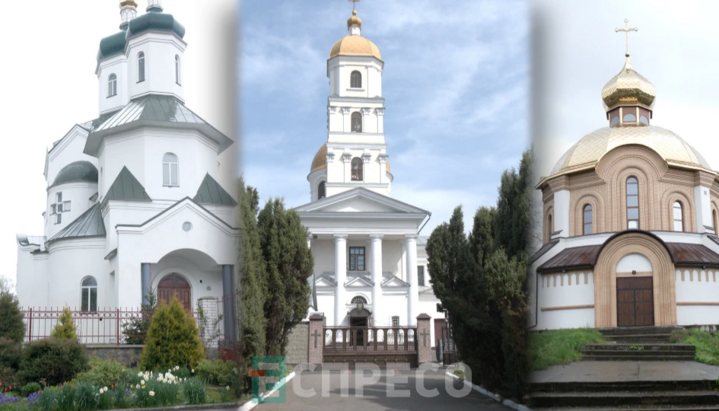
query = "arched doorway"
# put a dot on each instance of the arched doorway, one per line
(621, 288)
(359, 318)
(175, 285)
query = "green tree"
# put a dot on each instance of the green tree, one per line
(251, 281)
(288, 261)
(65, 327)
(11, 324)
(513, 218)
(481, 240)
(172, 339)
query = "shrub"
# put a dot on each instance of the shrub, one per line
(216, 372)
(30, 388)
(65, 328)
(52, 361)
(194, 391)
(104, 373)
(11, 324)
(9, 353)
(172, 339)
(135, 331)
(46, 401)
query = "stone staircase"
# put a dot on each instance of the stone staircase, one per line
(638, 344)
(631, 344)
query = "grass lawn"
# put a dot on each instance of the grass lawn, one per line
(706, 343)
(557, 347)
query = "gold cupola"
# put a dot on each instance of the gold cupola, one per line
(354, 21)
(354, 44)
(128, 11)
(629, 89)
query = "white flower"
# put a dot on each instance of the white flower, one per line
(193, 370)
(137, 386)
(228, 388)
(105, 389)
(177, 367)
(101, 391)
(152, 393)
(139, 374)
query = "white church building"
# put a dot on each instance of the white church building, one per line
(370, 262)
(133, 202)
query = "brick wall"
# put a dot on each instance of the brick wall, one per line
(298, 346)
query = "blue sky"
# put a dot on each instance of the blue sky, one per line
(456, 84)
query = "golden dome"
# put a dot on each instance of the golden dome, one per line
(354, 20)
(353, 45)
(628, 88)
(128, 4)
(320, 160)
(592, 147)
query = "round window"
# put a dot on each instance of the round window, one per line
(187, 226)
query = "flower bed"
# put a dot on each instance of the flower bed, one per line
(176, 386)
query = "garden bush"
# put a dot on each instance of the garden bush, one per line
(194, 391)
(104, 373)
(172, 339)
(65, 327)
(52, 361)
(30, 388)
(10, 353)
(216, 372)
(11, 324)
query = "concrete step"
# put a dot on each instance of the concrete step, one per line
(640, 338)
(641, 347)
(624, 398)
(638, 358)
(625, 386)
(638, 330)
(638, 408)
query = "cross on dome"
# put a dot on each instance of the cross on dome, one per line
(626, 31)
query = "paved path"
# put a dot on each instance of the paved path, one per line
(375, 395)
(612, 371)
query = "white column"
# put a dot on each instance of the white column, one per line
(410, 245)
(340, 277)
(376, 268)
(703, 210)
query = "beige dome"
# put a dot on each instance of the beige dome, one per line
(592, 147)
(354, 45)
(628, 88)
(320, 160)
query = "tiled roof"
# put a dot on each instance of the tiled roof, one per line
(89, 224)
(126, 188)
(211, 192)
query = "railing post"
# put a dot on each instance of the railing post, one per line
(117, 326)
(29, 327)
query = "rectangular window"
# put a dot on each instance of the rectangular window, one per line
(58, 197)
(65, 206)
(58, 218)
(420, 274)
(166, 174)
(395, 321)
(89, 299)
(357, 259)
(53, 209)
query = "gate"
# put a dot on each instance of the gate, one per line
(377, 345)
(449, 351)
(635, 301)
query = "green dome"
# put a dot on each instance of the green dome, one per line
(155, 21)
(77, 172)
(112, 45)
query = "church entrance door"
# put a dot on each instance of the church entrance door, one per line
(358, 322)
(635, 301)
(175, 285)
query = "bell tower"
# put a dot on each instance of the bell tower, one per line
(355, 154)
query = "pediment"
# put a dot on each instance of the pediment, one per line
(360, 200)
(359, 282)
(394, 282)
(324, 282)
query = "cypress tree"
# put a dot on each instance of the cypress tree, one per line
(289, 264)
(11, 324)
(251, 281)
(65, 328)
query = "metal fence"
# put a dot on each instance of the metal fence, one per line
(117, 326)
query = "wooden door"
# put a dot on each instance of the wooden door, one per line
(175, 285)
(439, 324)
(635, 301)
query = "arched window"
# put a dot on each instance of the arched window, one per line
(356, 122)
(714, 219)
(643, 120)
(177, 70)
(632, 203)
(587, 219)
(170, 169)
(678, 216)
(112, 85)
(550, 227)
(615, 121)
(359, 299)
(356, 80)
(322, 191)
(357, 169)
(89, 294)
(629, 118)
(141, 67)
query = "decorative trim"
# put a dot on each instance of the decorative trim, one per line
(332, 109)
(379, 111)
(691, 303)
(568, 307)
(346, 110)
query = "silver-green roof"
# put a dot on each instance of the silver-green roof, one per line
(155, 111)
(79, 171)
(126, 188)
(89, 224)
(211, 192)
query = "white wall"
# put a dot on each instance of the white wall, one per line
(117, 66)
(160, 51)
(32, 280)
(69, 262)
(555, 290)
(701, 289)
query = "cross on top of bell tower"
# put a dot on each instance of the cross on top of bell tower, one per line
(626, 29)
